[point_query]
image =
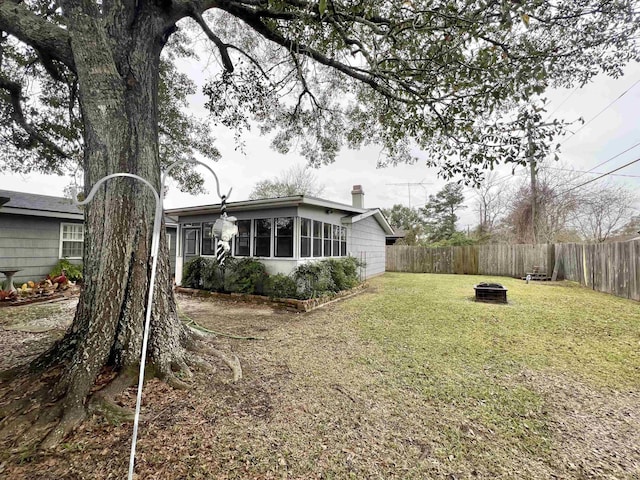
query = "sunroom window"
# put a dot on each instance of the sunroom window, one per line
(336, 241)
(284, 237)
(262, 239)
(305, 237)
(243, 238)
(208, 239)
(317, 238)
(327, 239)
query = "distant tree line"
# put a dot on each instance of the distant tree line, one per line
(564, 212)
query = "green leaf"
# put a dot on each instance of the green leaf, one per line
(322, 6)
(525, 18)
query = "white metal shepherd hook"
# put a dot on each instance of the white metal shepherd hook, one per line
(155, 245)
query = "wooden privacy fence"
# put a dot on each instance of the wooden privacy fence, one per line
(503, 260)
(608, 267)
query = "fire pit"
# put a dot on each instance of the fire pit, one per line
(490, 293)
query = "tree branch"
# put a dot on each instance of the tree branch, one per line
(49, 40)
(222, 47)
(253, 20)
(15, 92)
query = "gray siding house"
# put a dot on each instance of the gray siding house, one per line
(288, 231)
(38, 230)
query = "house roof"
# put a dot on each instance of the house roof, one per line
(38, 205)
(397, 233)
(354, 214)
(375, 213)
(259, 204)
(47, 206)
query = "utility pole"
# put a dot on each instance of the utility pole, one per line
(409, 185)
(534, 191)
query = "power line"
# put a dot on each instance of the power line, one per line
(598, 178)
(614, 157)
(600, 112)
(589, 171)
(562, 102)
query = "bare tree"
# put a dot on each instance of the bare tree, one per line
(603, 209)
(491, 203)
(556, 203)
(297, 180)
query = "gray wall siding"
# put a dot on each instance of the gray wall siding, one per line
(321, 214)
(173, 242)
(367, 242)
(31, 244)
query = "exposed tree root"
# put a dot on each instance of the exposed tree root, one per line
(103, 400)
(199, 329)
(231, 360)
(176, 383)
(70, 420)
(38, 408)
(111, 411)
(198, 363)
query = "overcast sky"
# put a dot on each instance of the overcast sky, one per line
(615, 130)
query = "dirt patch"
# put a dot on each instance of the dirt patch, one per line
(233, 317)
(27, 331)
(597, 432)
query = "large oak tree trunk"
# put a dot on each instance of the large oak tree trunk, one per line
(118, 85)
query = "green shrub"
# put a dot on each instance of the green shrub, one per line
(73, 272)
(344, 273)
(194, 271)
(326, 276)
(212, 276)
(245, 276)
(280, 286)
(313, 279)
(457, 239)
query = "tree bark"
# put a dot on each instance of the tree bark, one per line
(117, 69)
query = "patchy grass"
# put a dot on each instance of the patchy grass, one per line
(410, 380)
(455, 351)
(433, 321)
(27, 313)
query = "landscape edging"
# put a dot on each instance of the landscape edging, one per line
(288, 303)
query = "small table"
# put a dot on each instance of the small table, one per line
(9, 274)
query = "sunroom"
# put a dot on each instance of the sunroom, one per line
(284, 232)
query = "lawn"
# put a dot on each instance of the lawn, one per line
(409, 380)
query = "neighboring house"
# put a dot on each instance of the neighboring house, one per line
(288, 231)
(397, 235)
(38, 230)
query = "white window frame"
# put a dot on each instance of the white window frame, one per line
(274, 228)
(271, 236)
(62, 239)
(235, 240)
